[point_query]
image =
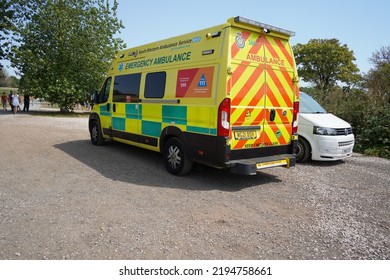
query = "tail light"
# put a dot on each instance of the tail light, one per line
(295, 118)
(224, 118)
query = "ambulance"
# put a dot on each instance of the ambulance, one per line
(226, 97)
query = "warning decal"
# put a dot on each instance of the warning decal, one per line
(196, 82)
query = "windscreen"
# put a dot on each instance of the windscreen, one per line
(308, 105)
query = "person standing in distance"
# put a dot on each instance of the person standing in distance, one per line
(15, 102)
(26, 101)
(4, 100)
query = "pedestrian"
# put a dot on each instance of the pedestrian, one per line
(4, 100)
(15, 102)
(10, 100)
(26, 101)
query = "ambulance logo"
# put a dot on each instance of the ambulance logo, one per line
(202, 82)
(120, 68)
(240, 41)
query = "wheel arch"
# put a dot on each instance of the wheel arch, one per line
(92, 118)
(302, 142)
(169, 132)
(307, 139)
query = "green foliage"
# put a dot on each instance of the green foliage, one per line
(324, 62)
(368, 117)
(377, 80)
(65, 47)
(6, 16)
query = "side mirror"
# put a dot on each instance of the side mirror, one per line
(93, 97)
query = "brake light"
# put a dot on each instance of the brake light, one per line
(224, 118)
(295, 118)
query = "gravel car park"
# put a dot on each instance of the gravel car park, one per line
(63, 198)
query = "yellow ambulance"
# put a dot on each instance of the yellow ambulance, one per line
(225, 97)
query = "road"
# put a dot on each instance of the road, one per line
(63, 198)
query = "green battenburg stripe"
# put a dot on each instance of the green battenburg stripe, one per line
(103, 111)
(151, 128)
(174, 114)
(118, 123)
(132, 112)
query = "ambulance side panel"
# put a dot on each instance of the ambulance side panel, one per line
(183, 105)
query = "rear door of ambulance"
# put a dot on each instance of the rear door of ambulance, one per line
(262, 93)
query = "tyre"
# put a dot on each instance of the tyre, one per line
(96, 134)
(303, 151)
(175, 157)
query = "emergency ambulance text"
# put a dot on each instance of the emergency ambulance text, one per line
(159, 60)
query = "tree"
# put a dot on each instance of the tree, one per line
(3, 76)
(6, 16)
(377, 79)
(325, 62)
(64, 47)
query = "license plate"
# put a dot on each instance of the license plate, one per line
(347, 151)
(272, 163)
(243, 135)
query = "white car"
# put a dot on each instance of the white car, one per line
(321, 136)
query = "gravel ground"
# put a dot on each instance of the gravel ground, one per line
(63, 198)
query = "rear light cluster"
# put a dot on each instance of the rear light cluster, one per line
(224, 118)
(295, 118)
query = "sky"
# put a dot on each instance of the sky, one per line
(364, 26)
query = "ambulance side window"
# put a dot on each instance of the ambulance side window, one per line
(155, 85)
(104, 92)
(126, 88)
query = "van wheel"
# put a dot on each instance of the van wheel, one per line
(96, 134)
(303, 151)
(175, 158)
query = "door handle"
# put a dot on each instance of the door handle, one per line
(272, 115)
(114, 107)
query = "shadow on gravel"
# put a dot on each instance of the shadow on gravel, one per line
(120, 162)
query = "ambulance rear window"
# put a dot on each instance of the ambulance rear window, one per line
(155, 85)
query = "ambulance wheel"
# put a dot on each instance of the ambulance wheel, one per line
(96, 134)
(175, 158)
(303, 151)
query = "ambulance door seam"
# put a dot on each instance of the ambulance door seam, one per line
(223, 44)
(265, 89)
(217, 84)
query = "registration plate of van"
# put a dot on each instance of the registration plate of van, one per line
(244, 135)
(347, 151)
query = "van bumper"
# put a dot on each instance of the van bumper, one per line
(330, 148)
(253, 165)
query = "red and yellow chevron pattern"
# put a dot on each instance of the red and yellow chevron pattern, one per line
(262, 90)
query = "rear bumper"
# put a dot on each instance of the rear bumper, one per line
(253, 165)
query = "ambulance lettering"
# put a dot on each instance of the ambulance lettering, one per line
(172, 58)
(262, 59)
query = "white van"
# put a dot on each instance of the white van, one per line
(321, 136)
